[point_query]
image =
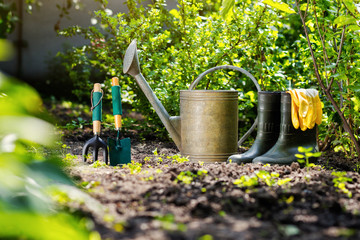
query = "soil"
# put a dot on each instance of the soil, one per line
(154, 204)
(152, 201)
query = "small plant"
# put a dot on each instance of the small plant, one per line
(284, 181)
(307, 154)
(222, 213)
(246, 181)
(119, 227)
(69, 159)
(98, 164)
(155, 152)
(168, 223)
(202, 172)
(340, 181)
(150, 178)
(134, 167)
(79, 124)
(179, 159)
(187, 177)
(206, 237)
(270, 179)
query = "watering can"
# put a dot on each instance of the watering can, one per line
(207, 128)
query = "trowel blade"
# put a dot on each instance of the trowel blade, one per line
(119, 151)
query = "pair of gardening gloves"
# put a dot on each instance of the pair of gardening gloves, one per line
(306, 110)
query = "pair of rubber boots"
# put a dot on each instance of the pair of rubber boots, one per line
(277, 140)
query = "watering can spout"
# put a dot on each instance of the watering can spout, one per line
(131, 66)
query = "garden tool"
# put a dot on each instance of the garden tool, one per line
(207, 128)
(268, 127)
(96, 142)
(119, 149)
(290, 138)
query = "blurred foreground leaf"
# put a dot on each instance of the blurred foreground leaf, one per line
(29, 172)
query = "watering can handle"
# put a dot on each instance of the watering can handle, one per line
(197, 80)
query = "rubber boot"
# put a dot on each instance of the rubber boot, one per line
(283, 152)
(268, 127)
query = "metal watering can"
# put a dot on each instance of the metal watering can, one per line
(207, 128)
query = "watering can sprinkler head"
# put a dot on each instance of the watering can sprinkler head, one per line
(131, 64)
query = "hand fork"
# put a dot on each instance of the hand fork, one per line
(96, 142)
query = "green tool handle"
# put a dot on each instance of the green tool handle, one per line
(96, 107)
(116, 101)
(97, 110)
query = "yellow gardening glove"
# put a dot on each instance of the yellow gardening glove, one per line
(306, 108)
(294, 109)
(318, 110)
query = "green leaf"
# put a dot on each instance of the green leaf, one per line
(6, 50)
(26, 225)
(175, 13)
(305, 150)
(283, 181)
(280, 6)
(226, 8)
(344, 20)
(301, 149)
(354, 27)
(317, 154)
(299, 155)
(303, 7)
(350, 5)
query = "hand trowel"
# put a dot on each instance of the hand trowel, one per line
(119, 149)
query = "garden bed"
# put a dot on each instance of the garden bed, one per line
(163, 196)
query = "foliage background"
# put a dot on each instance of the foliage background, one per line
(176, 45)
(265, 37)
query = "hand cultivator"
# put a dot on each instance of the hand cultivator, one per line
(96, 142)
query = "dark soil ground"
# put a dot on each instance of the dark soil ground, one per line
(162, 197)
(151, 201)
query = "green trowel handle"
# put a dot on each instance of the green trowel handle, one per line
(116, 100)
(116, 96)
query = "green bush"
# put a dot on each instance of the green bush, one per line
(176, 45)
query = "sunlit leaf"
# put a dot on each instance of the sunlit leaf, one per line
(354, 27)
(28, 128)
(56, 227)
(6, 50)
(317, 154)
(350, 5)
(226, 8)
(280, 6)
(175, 13)
(344, 20)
